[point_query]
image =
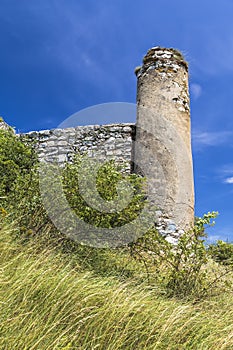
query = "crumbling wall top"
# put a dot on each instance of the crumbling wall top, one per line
(5, 126)
(162, 59)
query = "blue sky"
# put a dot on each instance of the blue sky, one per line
(60, 56)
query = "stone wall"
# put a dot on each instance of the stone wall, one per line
(113, 141)
(4, 125)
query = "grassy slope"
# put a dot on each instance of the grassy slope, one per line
(48, 304)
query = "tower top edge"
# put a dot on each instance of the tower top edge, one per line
(162, 59)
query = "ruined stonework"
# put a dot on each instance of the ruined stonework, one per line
(162, 147)
(113, 141)
(163, 127)
(5, 126)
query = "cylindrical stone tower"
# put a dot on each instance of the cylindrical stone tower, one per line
(162, 151)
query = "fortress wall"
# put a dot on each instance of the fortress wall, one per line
(105, 142)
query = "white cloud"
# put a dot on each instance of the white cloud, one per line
(229, 180)
(225, 173)
(215, 238)
(223, 233)
(196, 90)
(211, 239)
(205, 138)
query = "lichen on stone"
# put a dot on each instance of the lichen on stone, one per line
(137, 69)
(162, 60)
(5, 126)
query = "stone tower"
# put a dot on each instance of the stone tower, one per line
(162, 150)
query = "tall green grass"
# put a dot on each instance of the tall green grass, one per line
(48, 304)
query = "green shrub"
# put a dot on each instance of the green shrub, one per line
(16, 160)
(222, 252)
(180, 269)
(109, 175)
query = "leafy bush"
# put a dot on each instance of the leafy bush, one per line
(16, 160)
(222, 252)
(179, 269)
(109, 175)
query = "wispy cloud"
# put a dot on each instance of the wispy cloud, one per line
(223, 233)
(214, 238)
(229, 180)
(225, 173)
(212, 44)
(196, 90)
(204, 138)
(227, 169)
(216, 64)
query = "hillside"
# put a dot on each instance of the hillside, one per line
(58, 293)
(49, 303)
